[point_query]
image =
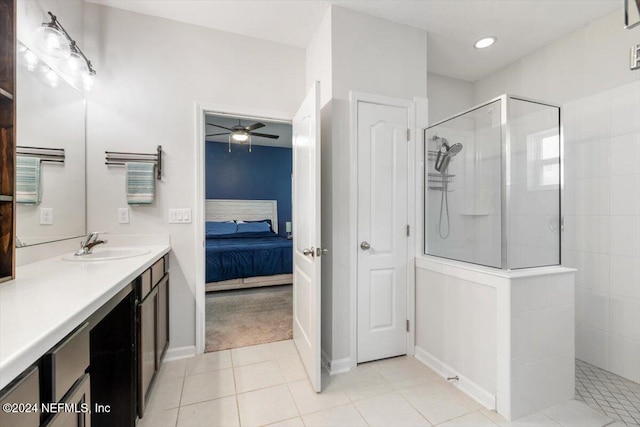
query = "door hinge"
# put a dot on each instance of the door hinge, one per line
(408, 134)
(408, 230)
(407, 325)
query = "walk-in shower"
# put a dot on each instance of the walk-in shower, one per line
(492, 185)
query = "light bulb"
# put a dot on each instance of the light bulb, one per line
(31, 58)
(51, 77)
(87, 81)
(74, 65)
(52, 42)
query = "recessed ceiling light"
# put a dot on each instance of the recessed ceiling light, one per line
(484, 42)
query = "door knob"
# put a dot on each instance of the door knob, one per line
(365, 246)
(307, 252)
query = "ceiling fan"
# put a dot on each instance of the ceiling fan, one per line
(242, 133)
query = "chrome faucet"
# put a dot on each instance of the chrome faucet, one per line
(87, 245)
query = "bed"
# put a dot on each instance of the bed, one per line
(241, 251)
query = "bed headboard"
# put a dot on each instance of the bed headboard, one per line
(245, 210)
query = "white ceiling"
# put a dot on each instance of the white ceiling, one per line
(282, 129)
(522, 26)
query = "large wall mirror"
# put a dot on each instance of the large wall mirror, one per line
(631, 13)
(50, 163)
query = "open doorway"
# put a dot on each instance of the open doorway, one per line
(248, 244)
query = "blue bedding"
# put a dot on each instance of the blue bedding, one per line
(234, 258)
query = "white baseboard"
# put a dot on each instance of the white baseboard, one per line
(467, 386)
(334, 367)
(180, 353)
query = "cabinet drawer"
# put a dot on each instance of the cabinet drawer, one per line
(26, 390)
(145, 284)
(68, 361)
(157, 271)
(166, 263)
(80, 396)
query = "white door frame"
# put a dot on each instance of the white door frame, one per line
(354, 99)
(202, 108)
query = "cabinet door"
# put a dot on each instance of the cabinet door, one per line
(163, 319)
(80, 396)
(146, 346)
(25, 391)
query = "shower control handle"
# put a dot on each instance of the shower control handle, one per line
(365, 246)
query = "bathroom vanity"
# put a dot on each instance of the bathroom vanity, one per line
(81, 342)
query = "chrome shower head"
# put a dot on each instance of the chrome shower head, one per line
(454, 149)
(445, 154)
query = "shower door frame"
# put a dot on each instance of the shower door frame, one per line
(505, 161)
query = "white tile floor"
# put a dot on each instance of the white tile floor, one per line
(267, 385)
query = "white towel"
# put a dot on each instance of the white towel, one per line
(28, 188)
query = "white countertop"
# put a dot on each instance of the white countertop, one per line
(50, 298)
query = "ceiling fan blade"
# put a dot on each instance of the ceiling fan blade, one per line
(254, 126)
(218, 126)
(216, 134)
(265, 135)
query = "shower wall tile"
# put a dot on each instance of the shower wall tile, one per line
(587, 233)
(593, 270)
(625, 154)
(622, 189)
(595, 308)
(592, 346)
(624, 357)
(625, 234)
(625, 317)
(625, 109)
(587, 159)
(602, 185)
(587, 196)
(625, 276)
(593, 120)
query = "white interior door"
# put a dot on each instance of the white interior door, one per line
(306, 233)
(382, 139)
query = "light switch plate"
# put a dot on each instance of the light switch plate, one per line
(123, 215)
(46, 216)
(180, 216)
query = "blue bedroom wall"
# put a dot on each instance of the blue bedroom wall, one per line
(263, 174)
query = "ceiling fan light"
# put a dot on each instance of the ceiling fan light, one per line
(240, 136)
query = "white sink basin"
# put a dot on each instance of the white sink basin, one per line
(107, 254)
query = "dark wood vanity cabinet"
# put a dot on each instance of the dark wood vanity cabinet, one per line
(153, 326)
(7, 137)
(103, 370)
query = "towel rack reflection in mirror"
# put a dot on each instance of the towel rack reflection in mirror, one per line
(119, 158)
(53, 155)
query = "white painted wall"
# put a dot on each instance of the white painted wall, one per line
(587, 72)
(372, 55)
(448, 96)
(149, 80)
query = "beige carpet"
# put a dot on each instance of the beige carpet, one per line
(244, 317)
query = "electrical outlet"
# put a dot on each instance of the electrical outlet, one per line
(46, 216)
(179, 216)
(123, 215)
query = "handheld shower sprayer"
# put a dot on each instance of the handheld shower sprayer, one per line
(445, 154)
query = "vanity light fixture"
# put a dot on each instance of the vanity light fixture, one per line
(485, 42)
(53, 40)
